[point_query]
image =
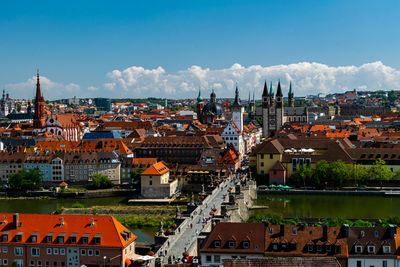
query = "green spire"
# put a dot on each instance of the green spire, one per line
(199, 98)
(290, 88)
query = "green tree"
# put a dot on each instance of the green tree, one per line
(302, 176)
(379, 171)
(135, 175)
(101, 181)
(26, 180)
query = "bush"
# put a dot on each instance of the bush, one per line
(78, 205)
(26, 180)
(100, 181)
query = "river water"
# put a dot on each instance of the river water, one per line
(324, 206)
(47, 206)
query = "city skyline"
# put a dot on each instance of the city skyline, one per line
(169, 50)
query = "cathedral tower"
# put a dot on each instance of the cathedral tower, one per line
(39, 116)
(279, 107)
(290, 96)
(265, 110)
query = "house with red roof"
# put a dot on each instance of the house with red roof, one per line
(65, 240)
(156, 182)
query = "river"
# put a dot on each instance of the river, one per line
(329, 206)
(47, 206)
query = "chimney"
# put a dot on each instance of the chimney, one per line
(346, 230)
(392, 231)
(62, 222)
(16, 220)
(92, 223)
(325, 232)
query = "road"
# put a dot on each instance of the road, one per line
(188, 235)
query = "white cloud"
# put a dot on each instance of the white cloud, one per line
(307, 78)
(50, 89)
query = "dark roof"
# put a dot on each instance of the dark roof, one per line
(238, 232)
(278, 167)
(213, 108)
(101, 135)
(282, 262)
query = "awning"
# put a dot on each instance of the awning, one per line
(146, 258)
(128, 262)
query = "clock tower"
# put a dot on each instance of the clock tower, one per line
(237, 111)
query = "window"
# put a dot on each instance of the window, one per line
(5, 249)
(328, 248)
(262, 164)
(358, 249)
(55, 251)
(246, 244)
(310, 248)
(5, 238)
(62, 264)
(47, 264)
(39, 263)
(85, 240)
(55, 264)
(371, 249)
(295, 231)
(18, 238)
(49, 250)
(362, 233)
(35, 252)
(49, 239)
(376, 233)
(31, 263)
(217, 258)
(5, 262)
(83, 252)
(90, 252)
(359, 263)
(386, 249)
(384, 263)
(97, 252)
(262, 156)
(150, 182)
(18, 251)
(72, 239)
(208, 258)
(275, 246)
(217, 243)
(337, 249)
(231, 244)
(271, 156)
(294, 164)
(62, 251)
(271, 231)
(319, 248)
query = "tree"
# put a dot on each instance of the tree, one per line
(135, 175)
(301, 176)
(101, 181)
(379, 171)
(26, 180)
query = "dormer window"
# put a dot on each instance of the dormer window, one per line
(275, 247)
(72, 238)
(271, 231)
(231, 244)
(371, 249)
(85, 239)
(319, 248)
(34, 237)
(97, 239)
(310, 248)
(362, 233)
(217, 243)
(294, 231)
(4, 237)
(18, 236)
(49, 237)
(246, 244)
(358, 249)
(337, 249)
(386, 249)
(328, 248)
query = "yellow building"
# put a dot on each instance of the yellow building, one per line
(156, 183)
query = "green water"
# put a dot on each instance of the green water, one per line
(324, 206)
(47, 206)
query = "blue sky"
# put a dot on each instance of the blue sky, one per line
(81, 43)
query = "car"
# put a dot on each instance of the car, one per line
(361, 187)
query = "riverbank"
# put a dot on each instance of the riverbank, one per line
(388, 193)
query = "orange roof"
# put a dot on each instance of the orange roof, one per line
(106, 227)
(63, 184)
(156, 169)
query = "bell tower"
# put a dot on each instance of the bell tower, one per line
(39, 117)
(237, 111)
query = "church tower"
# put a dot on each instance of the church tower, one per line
(39, 116)
(265, 111)
(279, 107)
(290, 96)
(237, 111)
(199, 105)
